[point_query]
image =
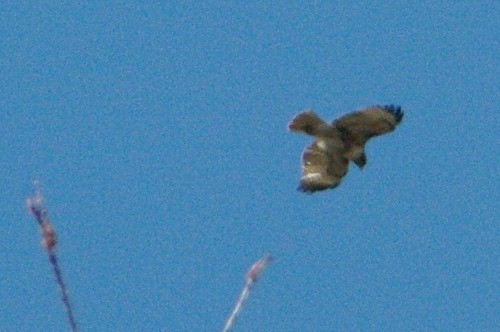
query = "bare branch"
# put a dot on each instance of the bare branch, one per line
(252, 277)
(36, 206)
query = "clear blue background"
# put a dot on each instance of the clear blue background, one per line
(159, 134)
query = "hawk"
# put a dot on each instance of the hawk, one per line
(326, 161)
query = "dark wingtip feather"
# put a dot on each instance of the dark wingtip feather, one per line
(304, 189)
(396, 111)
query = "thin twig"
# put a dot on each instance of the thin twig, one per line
(252, 277)
(36, 206)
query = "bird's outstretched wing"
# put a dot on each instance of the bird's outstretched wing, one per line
(358, 127)
(309, 123)
(373, 121)
(323, 167)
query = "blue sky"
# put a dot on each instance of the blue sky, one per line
(159, 134)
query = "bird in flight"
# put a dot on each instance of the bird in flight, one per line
(326, 161)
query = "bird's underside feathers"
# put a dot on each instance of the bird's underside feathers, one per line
(322, 167)
(325, 162)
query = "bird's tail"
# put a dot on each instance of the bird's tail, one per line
(309, 123)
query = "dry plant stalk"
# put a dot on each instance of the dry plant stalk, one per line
(252, 277)
(36, 206)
